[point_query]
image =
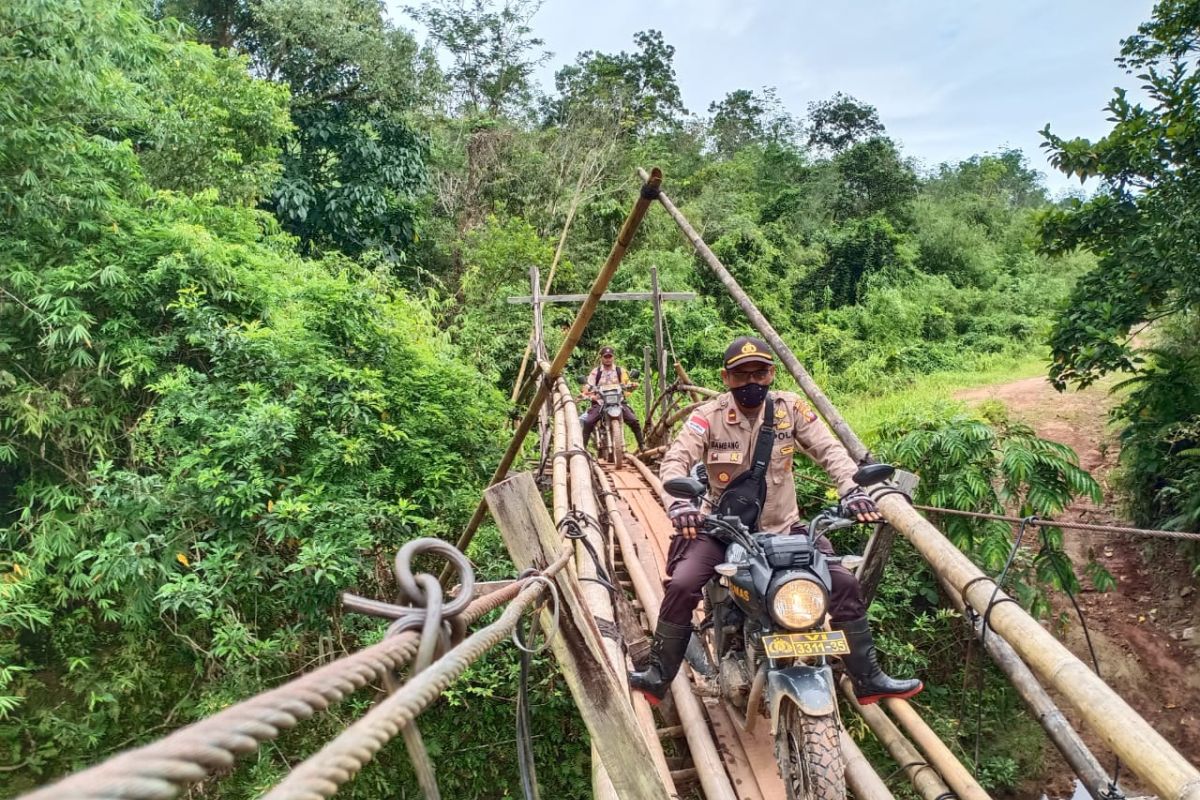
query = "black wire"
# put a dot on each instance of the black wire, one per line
(525, 759)
(987, 613)
(572, 529)
(1113, 791)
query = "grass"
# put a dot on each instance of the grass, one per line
(865, 412)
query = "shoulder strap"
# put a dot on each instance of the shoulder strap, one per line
(765, 440)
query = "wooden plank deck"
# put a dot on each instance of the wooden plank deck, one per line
(749, 759)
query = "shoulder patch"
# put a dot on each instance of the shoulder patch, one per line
(698, 424)
(806, 413)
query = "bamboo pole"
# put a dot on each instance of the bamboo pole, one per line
(682, 376)
(857, 449)
(1058, 729)
(861, 777)
(922, 776)
(1120, 727)
(648, 193)
(700, 742)
(596, 598)
(951, 769)
(879, 546)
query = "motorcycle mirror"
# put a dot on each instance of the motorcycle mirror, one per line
(685, 488)
(635, 373)
(872, 474)
(582, 379)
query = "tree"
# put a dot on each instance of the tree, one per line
(204, 437)
(743, 117)
(1144, 221)
(354, 164)
(1143, 224)
(639, 87)
(874, 180)
(841, 121)
(494, 54)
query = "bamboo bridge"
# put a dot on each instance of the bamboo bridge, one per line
(592, 566)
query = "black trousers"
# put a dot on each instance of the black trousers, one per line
(589, 417)
(691, 563)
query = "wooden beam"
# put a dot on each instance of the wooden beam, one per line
(601, 698)
(660, 357)
(607, 297)
(879, 546)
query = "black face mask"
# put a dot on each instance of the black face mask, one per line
(751, 395)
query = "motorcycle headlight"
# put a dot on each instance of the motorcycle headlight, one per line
(799, 604)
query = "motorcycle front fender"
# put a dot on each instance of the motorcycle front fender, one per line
(809, 687)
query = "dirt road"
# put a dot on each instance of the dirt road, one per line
(1146, 630)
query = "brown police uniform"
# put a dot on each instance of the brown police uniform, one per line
(723, 437)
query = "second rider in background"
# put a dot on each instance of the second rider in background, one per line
(608, 373)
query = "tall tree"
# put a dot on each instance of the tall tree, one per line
(841, 121)
(494, 54)
(744, 117)
(1144, 222)
(639, 87)
(354, 164)
(1144, 225)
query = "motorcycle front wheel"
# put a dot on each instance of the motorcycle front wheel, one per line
(809, 750)
(617, 437)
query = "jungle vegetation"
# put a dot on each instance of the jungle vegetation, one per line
(253, 336)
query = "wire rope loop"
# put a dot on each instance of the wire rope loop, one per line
(459, 562)
(552, 590)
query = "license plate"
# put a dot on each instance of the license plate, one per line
(815, 643)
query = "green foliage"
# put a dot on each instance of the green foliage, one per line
(206, 435)
(639, 86)
(841, 121)
(1142, 226)
(203, 437)
(354, 164)
(494, 54)
(993, 465)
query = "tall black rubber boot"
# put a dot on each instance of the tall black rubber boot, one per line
(666, 654)
(637, 434)
(871, 683)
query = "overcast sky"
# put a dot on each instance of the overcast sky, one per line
(951, 78)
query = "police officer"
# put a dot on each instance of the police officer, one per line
(722, 434)
(607, 374)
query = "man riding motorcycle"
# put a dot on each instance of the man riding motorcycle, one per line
(607, 373)
(722, 434)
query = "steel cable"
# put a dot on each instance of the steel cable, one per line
(322, 774)
(159, 771)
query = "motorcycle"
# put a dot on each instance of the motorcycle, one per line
(765, 625)
(610, 429)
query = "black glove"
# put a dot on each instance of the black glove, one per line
(857, 503)
(686, 518)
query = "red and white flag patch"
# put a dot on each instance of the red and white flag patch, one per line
(698, 424)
